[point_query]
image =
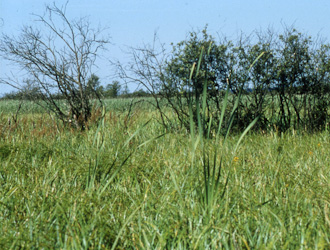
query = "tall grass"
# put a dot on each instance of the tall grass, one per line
(55, 192)
(212, 168)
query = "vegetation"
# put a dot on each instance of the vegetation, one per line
(111, 91)
(165, 171)
(58, 63)
(288, 87)
(119, 186)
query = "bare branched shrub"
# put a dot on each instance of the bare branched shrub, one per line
(146, 68)
(58, 60)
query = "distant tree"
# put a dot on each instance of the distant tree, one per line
(140, 93)
(58, 62)
(94, 87)
(113, 90)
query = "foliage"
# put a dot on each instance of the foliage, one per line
(288, 87)
(181, 86)
(112, 90)
(212, 67)
(94, 87)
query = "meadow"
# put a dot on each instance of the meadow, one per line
(126, 183)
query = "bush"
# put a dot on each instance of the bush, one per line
(287, 87)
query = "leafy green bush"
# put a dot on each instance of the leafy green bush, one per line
(288, 87)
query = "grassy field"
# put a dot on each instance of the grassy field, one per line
(124, 184)
(28, 107)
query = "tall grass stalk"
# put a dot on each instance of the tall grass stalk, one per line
(211, 192)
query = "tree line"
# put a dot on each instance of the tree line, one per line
(31, 92)
(287, 86)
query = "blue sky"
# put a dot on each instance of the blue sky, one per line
(133, 22)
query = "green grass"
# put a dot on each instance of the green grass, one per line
(118, 104)
(119, 185)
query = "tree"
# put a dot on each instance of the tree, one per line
(94, 87)
(213, 60)
(259, 80)
(113, 89)
(283, 81)
(58, 61)
(196, 64)
(169, 79)
(146, 69)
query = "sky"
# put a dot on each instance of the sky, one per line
(132, 23)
